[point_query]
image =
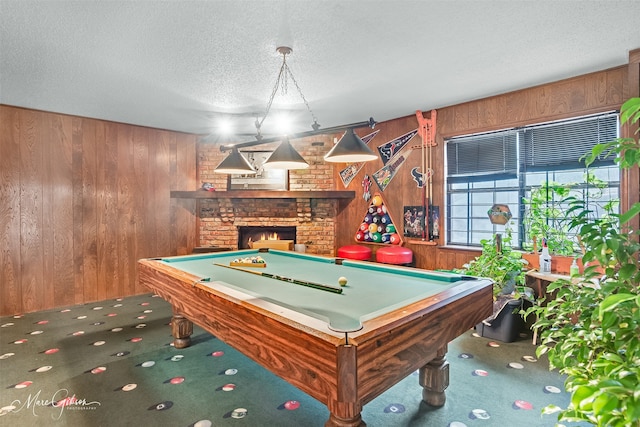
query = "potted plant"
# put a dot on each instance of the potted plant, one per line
(504, 265)
(590, 332)
(548, 217)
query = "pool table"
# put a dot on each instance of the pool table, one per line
(343, 345)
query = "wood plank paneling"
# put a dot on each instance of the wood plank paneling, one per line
(62, 226)
(108, 213)
(184, 209)
(10, 248)
(85, 208)
(79, 206)
(31, 182)
(140, 233)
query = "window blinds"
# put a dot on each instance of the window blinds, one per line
(564, 143)
(487, 154)
(553, 145)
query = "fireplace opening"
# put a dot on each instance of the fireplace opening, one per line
(249, 234)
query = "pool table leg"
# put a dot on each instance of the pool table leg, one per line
(434, 379)
(335, 421)
(344, 407)
(181, 329)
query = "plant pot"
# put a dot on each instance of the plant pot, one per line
(533, 259)
(560, 264)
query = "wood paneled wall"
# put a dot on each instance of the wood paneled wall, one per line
(587, 94)
(80, 201)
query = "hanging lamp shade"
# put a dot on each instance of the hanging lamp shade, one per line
(285, 157)
(350, 149)
(235, 163)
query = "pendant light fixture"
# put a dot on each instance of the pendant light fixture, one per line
(285, 157)
(235, 163)
(350, 149)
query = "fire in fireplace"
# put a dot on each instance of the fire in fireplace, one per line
(249, 234)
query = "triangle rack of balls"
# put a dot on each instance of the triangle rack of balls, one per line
(377, 225)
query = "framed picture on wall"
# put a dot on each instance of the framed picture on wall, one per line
(414, 223)
(272, 179)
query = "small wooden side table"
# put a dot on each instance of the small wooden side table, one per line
(539, 281)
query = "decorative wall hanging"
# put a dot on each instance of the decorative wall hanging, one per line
(414, 221)
(499, 214)
(384, 175)
(419, 177)
(390, 149)
(366, 186)
(377, 225)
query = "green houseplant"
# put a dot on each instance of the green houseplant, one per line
(591, 330)
(504, 265)
(500, 263)
(548, 201)
(548, 217)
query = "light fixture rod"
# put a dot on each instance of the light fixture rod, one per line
(369, 123)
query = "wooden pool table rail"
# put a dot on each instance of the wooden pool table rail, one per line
(343, 371)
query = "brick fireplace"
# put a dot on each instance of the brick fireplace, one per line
(314, 219)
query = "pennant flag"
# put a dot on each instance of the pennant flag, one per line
(389, 149)
(384, 176)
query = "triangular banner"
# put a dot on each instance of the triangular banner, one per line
(384, 176)
(389, 149)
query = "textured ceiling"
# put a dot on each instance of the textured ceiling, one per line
(180, 65)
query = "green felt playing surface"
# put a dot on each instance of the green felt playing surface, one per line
(372, 289)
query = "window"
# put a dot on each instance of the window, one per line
(503, 167)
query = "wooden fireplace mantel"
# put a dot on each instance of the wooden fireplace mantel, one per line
(262, 194)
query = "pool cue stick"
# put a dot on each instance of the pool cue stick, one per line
(432, 143)
(425, 210)
(422, 130)
(430, 174)
(314, 285)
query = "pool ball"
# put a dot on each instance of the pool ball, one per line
(386, 237)
(373, 228)
(359, 236)
(376, 237)
(394, 239)
(381, 228)
(364, 226)
(342, 281)
(376, 201)
(386, 219)
(368, 218)
(391, 228)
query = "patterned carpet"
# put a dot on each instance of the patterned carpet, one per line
(113, 364)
